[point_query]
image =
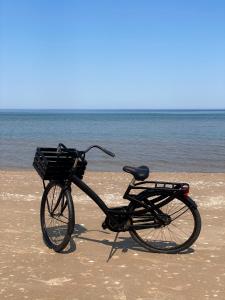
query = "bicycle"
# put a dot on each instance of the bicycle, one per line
(160, 216)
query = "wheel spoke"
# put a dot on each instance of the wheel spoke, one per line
(180, 230)
(59, 220)
(179, 214)
(53, 196)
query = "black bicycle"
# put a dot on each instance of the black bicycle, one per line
(160, 216)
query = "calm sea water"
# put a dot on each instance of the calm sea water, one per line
(164, 140)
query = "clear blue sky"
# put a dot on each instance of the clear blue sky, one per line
(112, 54)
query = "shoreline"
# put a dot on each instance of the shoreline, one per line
(31, 169)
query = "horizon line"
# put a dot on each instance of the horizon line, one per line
(108, 109)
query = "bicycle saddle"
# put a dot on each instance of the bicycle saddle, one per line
(140, 173)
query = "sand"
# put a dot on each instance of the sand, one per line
(29, 270)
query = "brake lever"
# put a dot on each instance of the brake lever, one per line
(60, 146)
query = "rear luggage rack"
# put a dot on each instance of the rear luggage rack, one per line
(162, 186)
(53, 165)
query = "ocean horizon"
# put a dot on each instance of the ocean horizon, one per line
(174, 140)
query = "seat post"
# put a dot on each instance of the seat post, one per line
(129, 188)
(132, 181)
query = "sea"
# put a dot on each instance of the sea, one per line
(164, 140)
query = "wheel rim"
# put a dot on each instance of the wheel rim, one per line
(56, 215)
(175, 234)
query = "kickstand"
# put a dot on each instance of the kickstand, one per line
(113, 251)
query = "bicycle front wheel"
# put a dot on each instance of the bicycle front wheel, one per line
(177, 236)
(57, 216)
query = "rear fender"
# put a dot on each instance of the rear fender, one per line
(191, 203)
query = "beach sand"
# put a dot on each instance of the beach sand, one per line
(29, 270)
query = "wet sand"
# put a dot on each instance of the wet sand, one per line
(29, 270)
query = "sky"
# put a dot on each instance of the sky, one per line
(112, 54)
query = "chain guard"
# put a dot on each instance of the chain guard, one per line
(116, 224)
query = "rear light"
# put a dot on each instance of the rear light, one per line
(186, 192)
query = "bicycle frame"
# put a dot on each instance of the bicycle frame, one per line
(140, 199)
(87, 190)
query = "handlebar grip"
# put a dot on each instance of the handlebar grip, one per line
(108, 152)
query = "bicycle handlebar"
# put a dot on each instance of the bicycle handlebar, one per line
(62, 146)
(101, 148)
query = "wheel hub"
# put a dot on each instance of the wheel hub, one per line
(164, 220)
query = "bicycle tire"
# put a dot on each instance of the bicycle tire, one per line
(59, 208)
(170, 247)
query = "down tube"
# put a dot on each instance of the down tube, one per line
(85, 188)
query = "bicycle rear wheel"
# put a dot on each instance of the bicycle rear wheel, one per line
(57, 216)
(177, 236)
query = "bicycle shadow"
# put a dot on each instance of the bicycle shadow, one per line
(71, 247)
(120, 242)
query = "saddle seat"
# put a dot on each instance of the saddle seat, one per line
(139, 173)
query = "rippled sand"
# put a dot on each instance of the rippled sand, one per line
(29, 270)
